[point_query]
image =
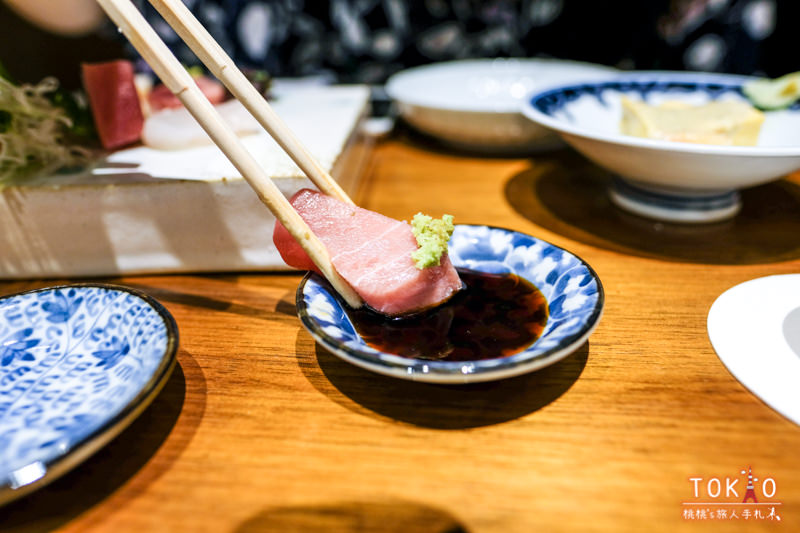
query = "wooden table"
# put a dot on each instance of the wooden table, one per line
(259, 429)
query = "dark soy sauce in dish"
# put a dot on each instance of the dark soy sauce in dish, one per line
(497, 315)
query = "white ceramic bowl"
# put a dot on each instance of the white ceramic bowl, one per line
(475, 104)
(666, 180)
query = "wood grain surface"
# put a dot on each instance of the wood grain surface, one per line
(259, 429)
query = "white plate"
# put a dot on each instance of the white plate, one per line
(666, 180)
(475, 104)
(755, 330)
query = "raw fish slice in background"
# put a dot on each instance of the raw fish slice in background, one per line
(114, 101)
(371, 252)
(175, 128)
(160, 97)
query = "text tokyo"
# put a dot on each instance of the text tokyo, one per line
(726, 487)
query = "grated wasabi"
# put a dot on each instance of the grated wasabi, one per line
(432, 236)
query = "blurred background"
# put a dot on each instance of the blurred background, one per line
(368, 40)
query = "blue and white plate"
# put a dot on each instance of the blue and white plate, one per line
(667, 180)
(77, 364)
(573, 291)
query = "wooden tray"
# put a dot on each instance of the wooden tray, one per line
(141, 210)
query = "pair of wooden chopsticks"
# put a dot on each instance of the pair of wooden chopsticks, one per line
(134, 26)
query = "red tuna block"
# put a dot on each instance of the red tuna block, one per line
(114, 102)
(371, 252)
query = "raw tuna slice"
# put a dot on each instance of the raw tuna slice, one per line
(162, 98)
(114, 102)
(371, 252)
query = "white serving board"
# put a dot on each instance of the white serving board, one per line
(141, 210)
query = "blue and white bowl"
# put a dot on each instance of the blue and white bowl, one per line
(77, 364)
(666, 180)
(573, 291)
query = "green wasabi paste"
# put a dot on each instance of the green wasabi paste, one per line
(432, 237)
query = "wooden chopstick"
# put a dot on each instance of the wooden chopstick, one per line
(134, 26)
(222, 66)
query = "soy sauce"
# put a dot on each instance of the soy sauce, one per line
(496, 315)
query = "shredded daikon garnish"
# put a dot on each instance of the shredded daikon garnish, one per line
(33, 132)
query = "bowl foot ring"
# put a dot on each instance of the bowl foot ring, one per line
(669, 206)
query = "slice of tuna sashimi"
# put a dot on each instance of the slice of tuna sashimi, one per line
(371, 252)
(114, 102)
(162, 98)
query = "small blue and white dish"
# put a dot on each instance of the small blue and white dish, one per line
(78, 363)
(661, 179)
(572, 289)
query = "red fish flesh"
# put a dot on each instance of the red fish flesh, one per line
(114, 102)
(371, 252)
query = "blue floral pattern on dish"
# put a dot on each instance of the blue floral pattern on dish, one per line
(72, 360)
(572, 289)
(556, 101)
